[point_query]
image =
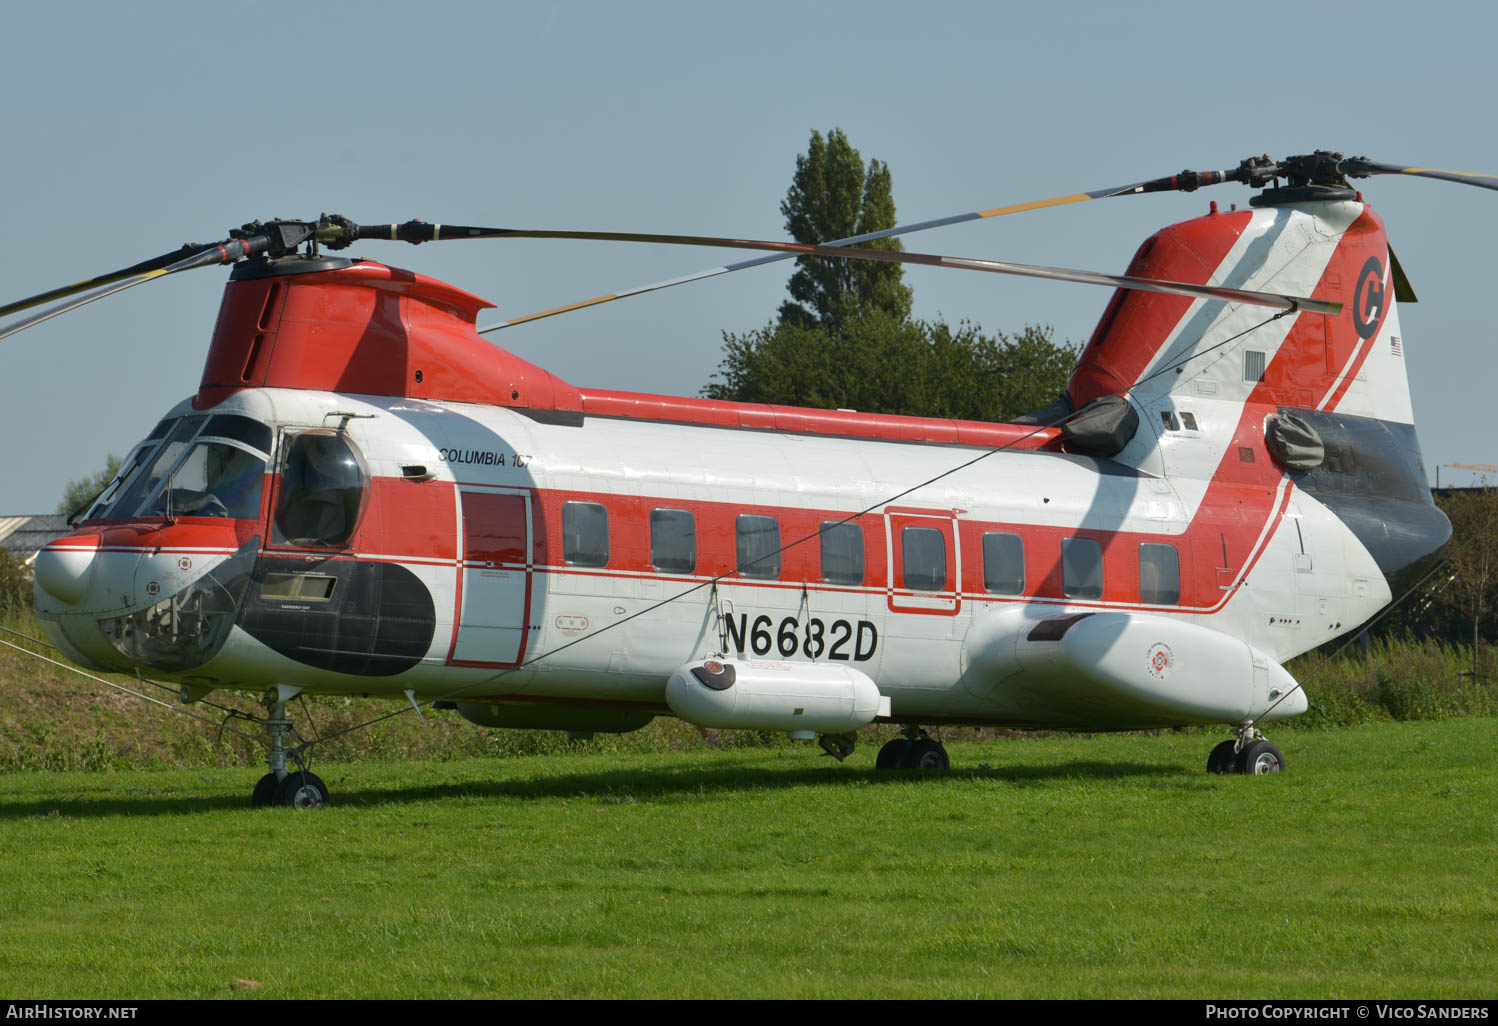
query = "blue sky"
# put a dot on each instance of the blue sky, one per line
(132, 128)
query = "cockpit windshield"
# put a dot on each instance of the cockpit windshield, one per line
(199, 466)
(216, 480)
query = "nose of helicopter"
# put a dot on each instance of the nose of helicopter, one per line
(143, 596)
(64, 567)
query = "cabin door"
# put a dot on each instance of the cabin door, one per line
(494, 589)
(925, 567)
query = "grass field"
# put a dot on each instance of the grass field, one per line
(1057, 867)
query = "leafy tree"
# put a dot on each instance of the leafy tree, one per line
(1473, 560)
(1459, 602)
(848, 339)
(79, 492)
(833, 196)
(880, 364)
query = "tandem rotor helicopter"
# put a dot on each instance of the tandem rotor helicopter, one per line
(365, 496)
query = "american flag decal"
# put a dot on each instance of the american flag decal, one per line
(1395, 346)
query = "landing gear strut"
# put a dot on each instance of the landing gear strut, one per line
(1249, 753)
(299, 788)
(917, 750)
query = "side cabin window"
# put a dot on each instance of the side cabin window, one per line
(758, 547)
(842, 553)
(1159, 574)
(923, 552)
(323, 484)
(673, 541)
(1003, 563)
(1081, 568)
(585, 534)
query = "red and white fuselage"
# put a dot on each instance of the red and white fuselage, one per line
(552, 556)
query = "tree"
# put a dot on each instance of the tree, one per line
(833, 196)
(1458, 602)
(849, 341)
(1473, 560)
(878, 364)
(80, 492)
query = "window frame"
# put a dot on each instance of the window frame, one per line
(607, 538)
(763, 568)
(1154, 599)
(852, 530)
(691, 518)
(1081, 544)
(983, 553)
(940, 576)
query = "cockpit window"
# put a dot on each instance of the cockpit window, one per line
(322, 490)
(215, 466)
(216, 480)
(143, 485)
(128, 469)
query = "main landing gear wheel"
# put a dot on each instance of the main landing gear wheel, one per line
(1224, 758)
(892, 754)
(926, 755)
(917, 750)
(1250, 753)
(1260, 757)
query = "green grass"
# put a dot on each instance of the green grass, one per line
(1057, 867)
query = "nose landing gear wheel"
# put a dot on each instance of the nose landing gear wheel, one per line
(265, 791)
(302, 790)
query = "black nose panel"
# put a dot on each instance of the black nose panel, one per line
(365, 619)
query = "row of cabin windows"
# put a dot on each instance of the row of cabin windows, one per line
(923, 553)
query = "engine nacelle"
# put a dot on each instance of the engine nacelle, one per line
(750, 695)
(1162, 669)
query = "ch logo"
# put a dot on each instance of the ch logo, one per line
(1160, 659)
(1368, 300)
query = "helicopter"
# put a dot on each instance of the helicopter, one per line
(366, 496)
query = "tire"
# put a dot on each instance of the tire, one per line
(1223, 759)
(926, 755)
(265, 791)
(891, 754)
(302, 790)
(1260, 757)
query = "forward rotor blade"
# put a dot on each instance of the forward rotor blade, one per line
(1270, 299)
(215, 253)
(144, 267)
(1361, 167)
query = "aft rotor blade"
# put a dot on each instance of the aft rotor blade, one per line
(216, 253)
(135, 270)
(1270, 299)
(1361, 167)
(852, 240)
(1186, 181)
